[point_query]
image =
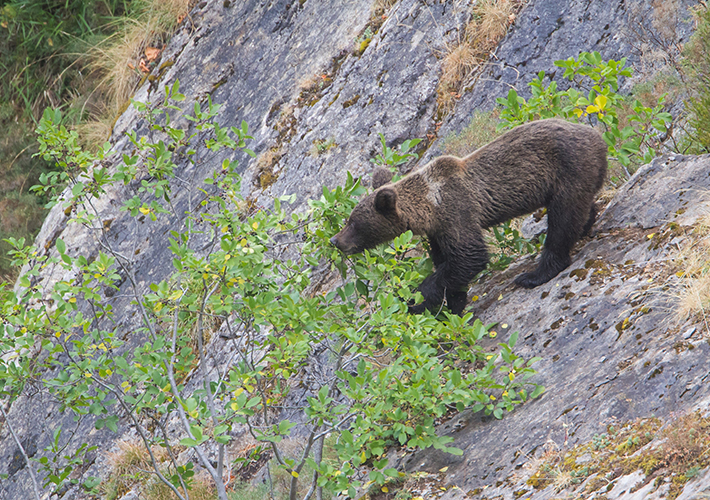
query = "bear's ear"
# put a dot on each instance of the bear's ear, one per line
(386, 201)
(380, 177)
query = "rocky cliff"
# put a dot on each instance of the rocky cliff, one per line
(317, 81)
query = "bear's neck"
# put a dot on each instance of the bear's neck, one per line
(416, 202)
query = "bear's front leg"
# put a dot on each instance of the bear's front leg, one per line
(456, 263)
(433, 292)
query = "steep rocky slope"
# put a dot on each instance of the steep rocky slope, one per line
(294, 71)
(612, 350)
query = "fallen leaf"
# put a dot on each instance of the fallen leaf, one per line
(143, 67)
(151, 53)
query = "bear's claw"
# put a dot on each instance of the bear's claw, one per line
(530, 280)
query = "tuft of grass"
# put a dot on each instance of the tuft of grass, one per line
(266, 163)
(37, 71)
(697, 65)
(456, 66)
(490, 21)
(200, 488)
(119, 63)
(694, 264)
(479, 132)
(21, 212)
(380, 7)
(129, 466)
(322, 146)
(245, 491)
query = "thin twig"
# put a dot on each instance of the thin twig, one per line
(35, 486)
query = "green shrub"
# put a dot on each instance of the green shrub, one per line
(393, 374)
(36, 38)
(697, 65)
(632, 136)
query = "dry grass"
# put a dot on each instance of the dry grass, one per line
(489, 23)
(201, 488)
(119, 63)
(652, 31)
(694, 262)
(492, 18)
(265, 174)
(456, 66)
(382, 6)
(129, 466)
(97, 129)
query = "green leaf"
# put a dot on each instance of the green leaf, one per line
(513, 339)
(285, 426)
(196, 432)
(537, 391)
(112, 423)
(391, 472)
(91, 482)
(380, 464)
(454, 451)
(323, 394)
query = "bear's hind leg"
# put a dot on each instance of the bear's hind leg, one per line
(590, 222)
(565, 224)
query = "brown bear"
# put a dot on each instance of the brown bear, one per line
(548, 163)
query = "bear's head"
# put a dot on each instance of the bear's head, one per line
(375, 220)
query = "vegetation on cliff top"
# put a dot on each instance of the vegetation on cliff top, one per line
(83, 56)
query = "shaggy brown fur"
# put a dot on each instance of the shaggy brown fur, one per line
(547, 163)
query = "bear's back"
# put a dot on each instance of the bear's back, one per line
(526, 167)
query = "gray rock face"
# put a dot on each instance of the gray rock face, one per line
(547, 31)
(293, 71)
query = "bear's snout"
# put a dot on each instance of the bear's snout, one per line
(337, 243)
(342, 243)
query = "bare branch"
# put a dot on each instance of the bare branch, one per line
(35, 486)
